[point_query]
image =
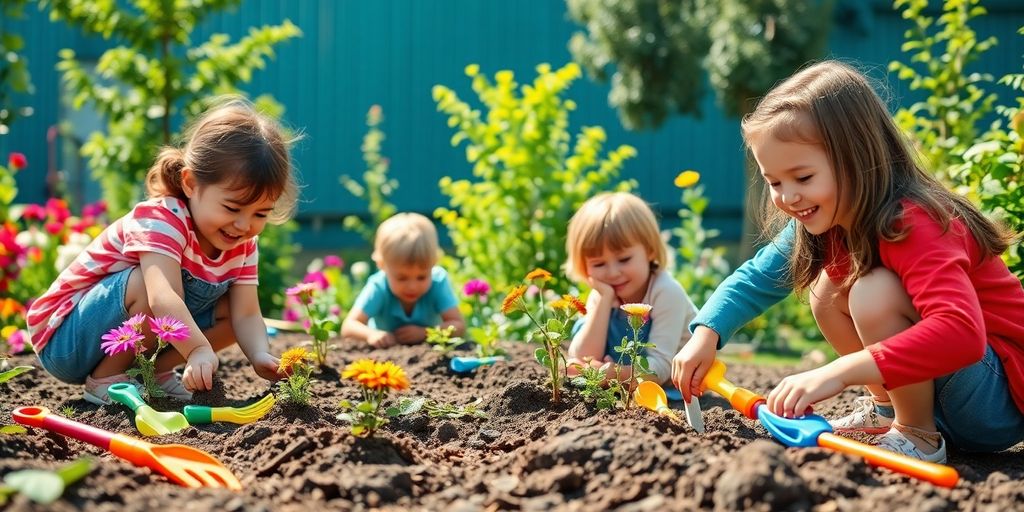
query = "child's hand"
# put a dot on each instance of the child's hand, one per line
(798, 392)
(691, 364)
(410, 334)
(199, 369)
(381, 339)
(266, 366)
(603, 289)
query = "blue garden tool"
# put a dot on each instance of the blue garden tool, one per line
(468, 364)
(813, 430)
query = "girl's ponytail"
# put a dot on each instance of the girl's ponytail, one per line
(164, 178)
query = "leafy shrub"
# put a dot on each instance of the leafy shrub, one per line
(377, 187)
(528, 181)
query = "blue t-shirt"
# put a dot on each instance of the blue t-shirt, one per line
(755, 286)
(385, 309)
(618, 326)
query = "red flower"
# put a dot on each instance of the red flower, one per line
(17, 161)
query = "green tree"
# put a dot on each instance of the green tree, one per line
(661, 50)
(14, 76)
(154, 77)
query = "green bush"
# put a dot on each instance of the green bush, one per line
(277, 257)
(986, 168)
(529, 179)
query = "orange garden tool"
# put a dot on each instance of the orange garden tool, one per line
(184, 465)
(813, 430)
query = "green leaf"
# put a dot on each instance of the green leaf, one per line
(542, 356)
(39, 486)
(411, 405)
(14, 372)
(12, 429)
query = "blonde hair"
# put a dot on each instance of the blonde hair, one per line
(234, 145)
(613, 220)
(832, 105)
(406, 239)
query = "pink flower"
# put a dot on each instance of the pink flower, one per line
(334, 261)
(290, 315)
(532, 291)
(318, 279)
(54, 228)
(17, 161)
(18, 341)
(168, 329)
(120, 339)
(94, 209)
(476, 287)
(303, 292)
(57, 209)
(33, 212)
(136, 322)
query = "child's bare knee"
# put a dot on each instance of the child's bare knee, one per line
(826, 298)
(879, 295)
(136, 300)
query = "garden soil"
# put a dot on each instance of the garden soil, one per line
(528, 454)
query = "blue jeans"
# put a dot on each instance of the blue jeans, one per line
(74, 350)
(974, 409)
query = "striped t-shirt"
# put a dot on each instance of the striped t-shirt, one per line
(163, 226)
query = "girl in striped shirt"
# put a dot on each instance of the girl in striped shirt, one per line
(189, 251)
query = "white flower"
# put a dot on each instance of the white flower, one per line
(360, 270)
(31, 238)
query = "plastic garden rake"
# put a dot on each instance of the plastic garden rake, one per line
(184, 465)
(813, 430)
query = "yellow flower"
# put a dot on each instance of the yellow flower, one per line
(538, 274)
(638, 310)
(513, 301)
(687, 179)
(373, 375)
(292, 357)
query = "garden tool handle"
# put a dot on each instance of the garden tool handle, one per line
(126, 394)
(198, 414)
(937, 474)
(40, 417)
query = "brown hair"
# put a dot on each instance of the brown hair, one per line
(615, 220)
(234, 145)
(832, 105)
(406, 239)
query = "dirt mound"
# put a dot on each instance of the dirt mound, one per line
(527, 454)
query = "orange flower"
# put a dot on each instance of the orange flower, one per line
(292, 357)
(576, 303)
(373, 375)
(539, 274)
(10, 307)
(513, 301)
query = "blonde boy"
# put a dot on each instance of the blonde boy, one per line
(409, 293)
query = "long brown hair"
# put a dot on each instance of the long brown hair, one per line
(234, 145)
(833, 105)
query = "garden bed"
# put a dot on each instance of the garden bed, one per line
(527, 454)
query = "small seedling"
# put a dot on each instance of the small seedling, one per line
(69, 411)
(43, 486)
(295, 364)
(436, 409)
(593, 386)
(442, 340)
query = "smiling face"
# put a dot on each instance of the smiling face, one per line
(626, 270)
(222, 220)
(802, 181)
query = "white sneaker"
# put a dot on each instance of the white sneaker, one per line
(170, 382)
(864, 418)
(96, 389)
(896, 441)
